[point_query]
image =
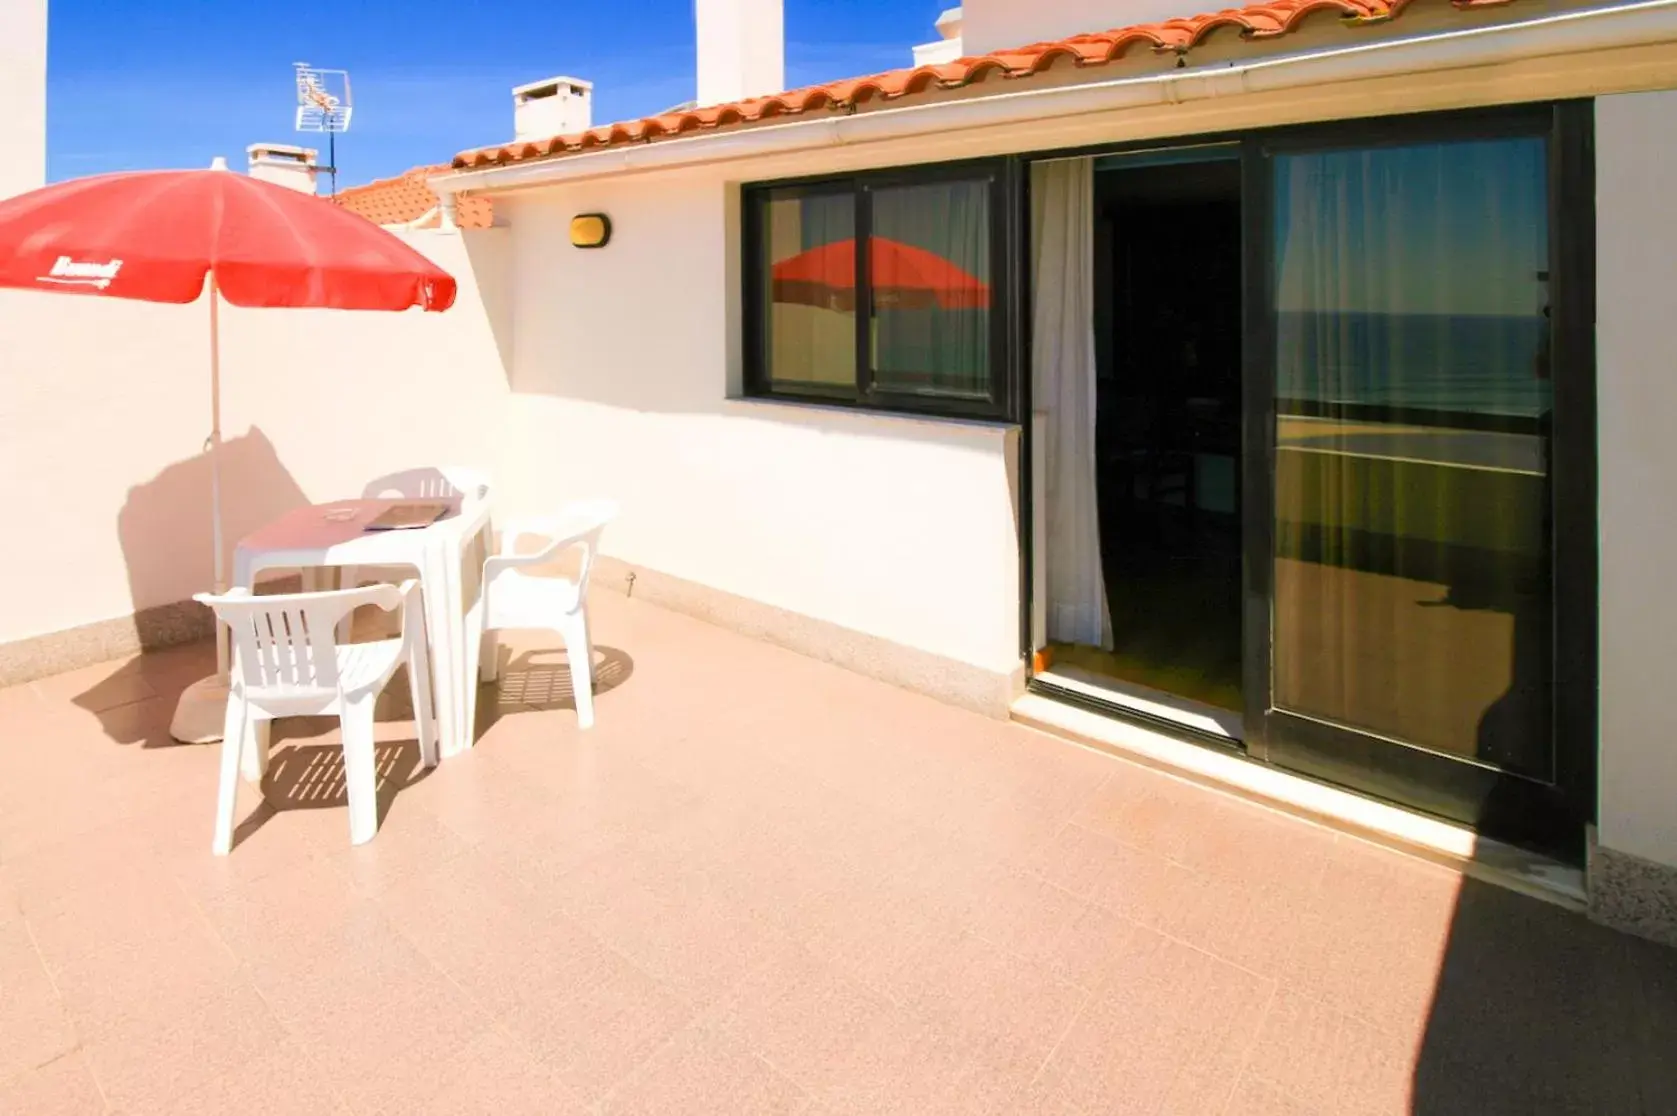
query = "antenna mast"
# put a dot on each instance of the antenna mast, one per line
(324, 105)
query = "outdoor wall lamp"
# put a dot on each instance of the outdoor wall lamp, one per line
(590, 230)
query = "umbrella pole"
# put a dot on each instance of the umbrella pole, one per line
(220, 568)
(200, 714)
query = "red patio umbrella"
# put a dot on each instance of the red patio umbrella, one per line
(901, 274)
(163, 236)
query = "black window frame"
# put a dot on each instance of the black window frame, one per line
(1001, 404)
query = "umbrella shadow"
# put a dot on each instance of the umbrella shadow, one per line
(165, 534)
(164, 525)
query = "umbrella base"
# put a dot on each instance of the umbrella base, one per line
(201, 715)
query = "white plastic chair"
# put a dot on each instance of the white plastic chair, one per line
(514, 599)
(440, 482)
(287, 663)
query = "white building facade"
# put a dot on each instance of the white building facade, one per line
(896, 529)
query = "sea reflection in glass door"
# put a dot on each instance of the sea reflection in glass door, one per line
(1411, 577)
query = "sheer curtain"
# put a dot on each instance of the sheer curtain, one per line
(1063, 390)
(1411, 479)
(931, 313)
(812, 334)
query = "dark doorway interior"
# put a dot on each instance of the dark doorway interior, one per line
(1168, 428)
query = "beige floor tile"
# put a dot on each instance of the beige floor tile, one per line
(64, 1087)
(144, 1068)
(595, 1019)
(701, 1072)
(850, 1048)
(283, 1081)
(35, 1029)
(154, 982)
(373, 1042)
(491, 1075)
(1326, 1061)
(835, 897)
(1005, 1013)
(1258, 1098)
(1169, 1031)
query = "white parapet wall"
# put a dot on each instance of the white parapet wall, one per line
(104, 409)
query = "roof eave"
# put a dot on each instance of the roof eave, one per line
(1593, 29)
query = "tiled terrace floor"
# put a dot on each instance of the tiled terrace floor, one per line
(760, 885)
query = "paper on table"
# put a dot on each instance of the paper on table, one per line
(407, 517)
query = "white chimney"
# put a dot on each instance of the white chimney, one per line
(947, 48)
(284, 165)
(23, 93)
(555, 106)
(742, 49)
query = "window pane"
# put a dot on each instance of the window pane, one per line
(1412, 581)
(810, 277)
(930, 264)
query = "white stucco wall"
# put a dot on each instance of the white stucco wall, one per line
(1636, 299)
(624, 361)
(23, 95)
(104, 408)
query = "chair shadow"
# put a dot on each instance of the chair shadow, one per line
(308, 776)
(541, 680)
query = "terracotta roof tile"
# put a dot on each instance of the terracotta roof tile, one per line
(406, 198)
(1178, 36)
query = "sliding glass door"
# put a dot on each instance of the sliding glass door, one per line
(1406, 529)
(1409, 367)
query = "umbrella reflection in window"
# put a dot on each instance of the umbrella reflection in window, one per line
(927, 294)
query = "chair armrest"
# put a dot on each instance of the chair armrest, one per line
(210, 599)
(578, 527)
(512, 533)
(500, 563)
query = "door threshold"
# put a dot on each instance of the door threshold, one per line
(1197, 717)
(1380, 823)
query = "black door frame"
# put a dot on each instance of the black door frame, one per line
(1550, 818)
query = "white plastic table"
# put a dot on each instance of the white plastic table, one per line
(335, 534)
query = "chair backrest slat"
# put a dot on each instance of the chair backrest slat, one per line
(285, 644)
(445, 482)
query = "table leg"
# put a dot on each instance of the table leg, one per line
(443, 624)
(477, 643)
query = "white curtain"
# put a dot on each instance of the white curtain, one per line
(922, 339)
(1063, 389)
(1411, 313)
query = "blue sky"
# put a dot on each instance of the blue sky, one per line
(173, 83)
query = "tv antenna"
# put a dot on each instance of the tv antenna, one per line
(324, 105)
